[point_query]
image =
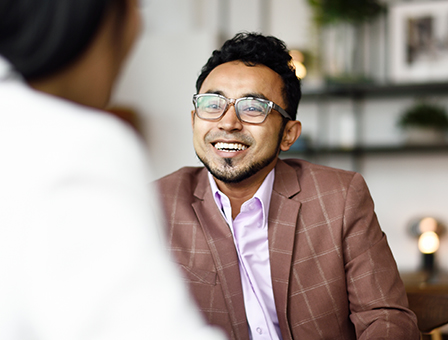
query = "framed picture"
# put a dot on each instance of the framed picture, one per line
(418, 38)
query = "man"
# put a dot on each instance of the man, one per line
(275, 249)
(80, 254)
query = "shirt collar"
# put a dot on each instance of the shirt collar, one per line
(263, 194)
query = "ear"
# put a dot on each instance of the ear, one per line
(192, 118)
(293, 129)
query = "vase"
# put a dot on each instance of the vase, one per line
(424, 136)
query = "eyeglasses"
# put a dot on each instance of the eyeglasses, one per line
(211, 106)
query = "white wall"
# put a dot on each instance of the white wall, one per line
(159, 80)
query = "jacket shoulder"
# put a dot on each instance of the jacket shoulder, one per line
(314, 178)
(306, 170)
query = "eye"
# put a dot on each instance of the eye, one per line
(252, 107)
(211, 105)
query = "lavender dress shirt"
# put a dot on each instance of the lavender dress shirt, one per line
(250, 234)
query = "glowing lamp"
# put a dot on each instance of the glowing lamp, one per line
(428, 231)
(428, 242)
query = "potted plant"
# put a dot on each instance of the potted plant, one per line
(424, 123)
(342, 27)
(351, 11)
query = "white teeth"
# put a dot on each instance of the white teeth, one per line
(230, 146)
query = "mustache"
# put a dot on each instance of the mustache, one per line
(233, 136)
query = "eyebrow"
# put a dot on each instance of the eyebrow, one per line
(248, 94)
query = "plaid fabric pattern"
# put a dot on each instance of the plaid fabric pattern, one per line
(333, 274)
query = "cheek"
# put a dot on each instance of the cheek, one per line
(198, 135)
(133, 29)
(138, 24)
(201, 128)
(266, 138)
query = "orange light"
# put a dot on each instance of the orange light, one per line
(428, 224)
(297, 60)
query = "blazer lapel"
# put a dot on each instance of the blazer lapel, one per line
(221, 244)
(283, 217)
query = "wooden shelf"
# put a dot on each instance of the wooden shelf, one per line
(402, 149)
(360, 90)
(422, 280)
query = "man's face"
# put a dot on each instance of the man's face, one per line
(231, 150)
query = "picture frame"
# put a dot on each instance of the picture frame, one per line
(418, 42)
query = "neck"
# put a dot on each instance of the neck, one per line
(238, 193)
(80, 83)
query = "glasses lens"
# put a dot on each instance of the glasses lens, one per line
(252, 110)
(210, 106)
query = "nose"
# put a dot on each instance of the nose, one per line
(229, 120)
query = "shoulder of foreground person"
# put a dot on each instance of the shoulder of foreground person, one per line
(79, 248)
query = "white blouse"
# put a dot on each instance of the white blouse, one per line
(80, 253)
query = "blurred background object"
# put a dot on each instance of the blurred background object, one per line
(344, 27)
(424, 123)
(428, 231)
(427, 287)
(298, 62)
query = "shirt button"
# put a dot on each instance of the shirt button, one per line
(259, 330)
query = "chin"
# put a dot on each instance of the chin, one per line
(230, 174)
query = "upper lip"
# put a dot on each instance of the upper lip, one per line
(228, 141)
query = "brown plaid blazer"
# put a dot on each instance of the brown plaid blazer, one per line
(333, 274)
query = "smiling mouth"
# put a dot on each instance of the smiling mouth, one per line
(230, 147)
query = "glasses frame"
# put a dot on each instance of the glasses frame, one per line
(234, 102)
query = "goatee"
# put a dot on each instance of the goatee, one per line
(228, 174)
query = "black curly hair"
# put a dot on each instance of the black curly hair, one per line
(41, 37)
(254, 49)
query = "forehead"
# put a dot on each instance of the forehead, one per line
(235, 79)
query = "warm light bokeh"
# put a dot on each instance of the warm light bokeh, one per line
(428, 242)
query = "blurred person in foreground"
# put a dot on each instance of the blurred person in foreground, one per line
(275, 249)
(80, 256)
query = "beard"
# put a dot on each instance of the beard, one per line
(229, 173)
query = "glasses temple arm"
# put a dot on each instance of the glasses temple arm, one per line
(281, 111)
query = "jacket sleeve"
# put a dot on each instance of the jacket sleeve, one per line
(377, 297)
